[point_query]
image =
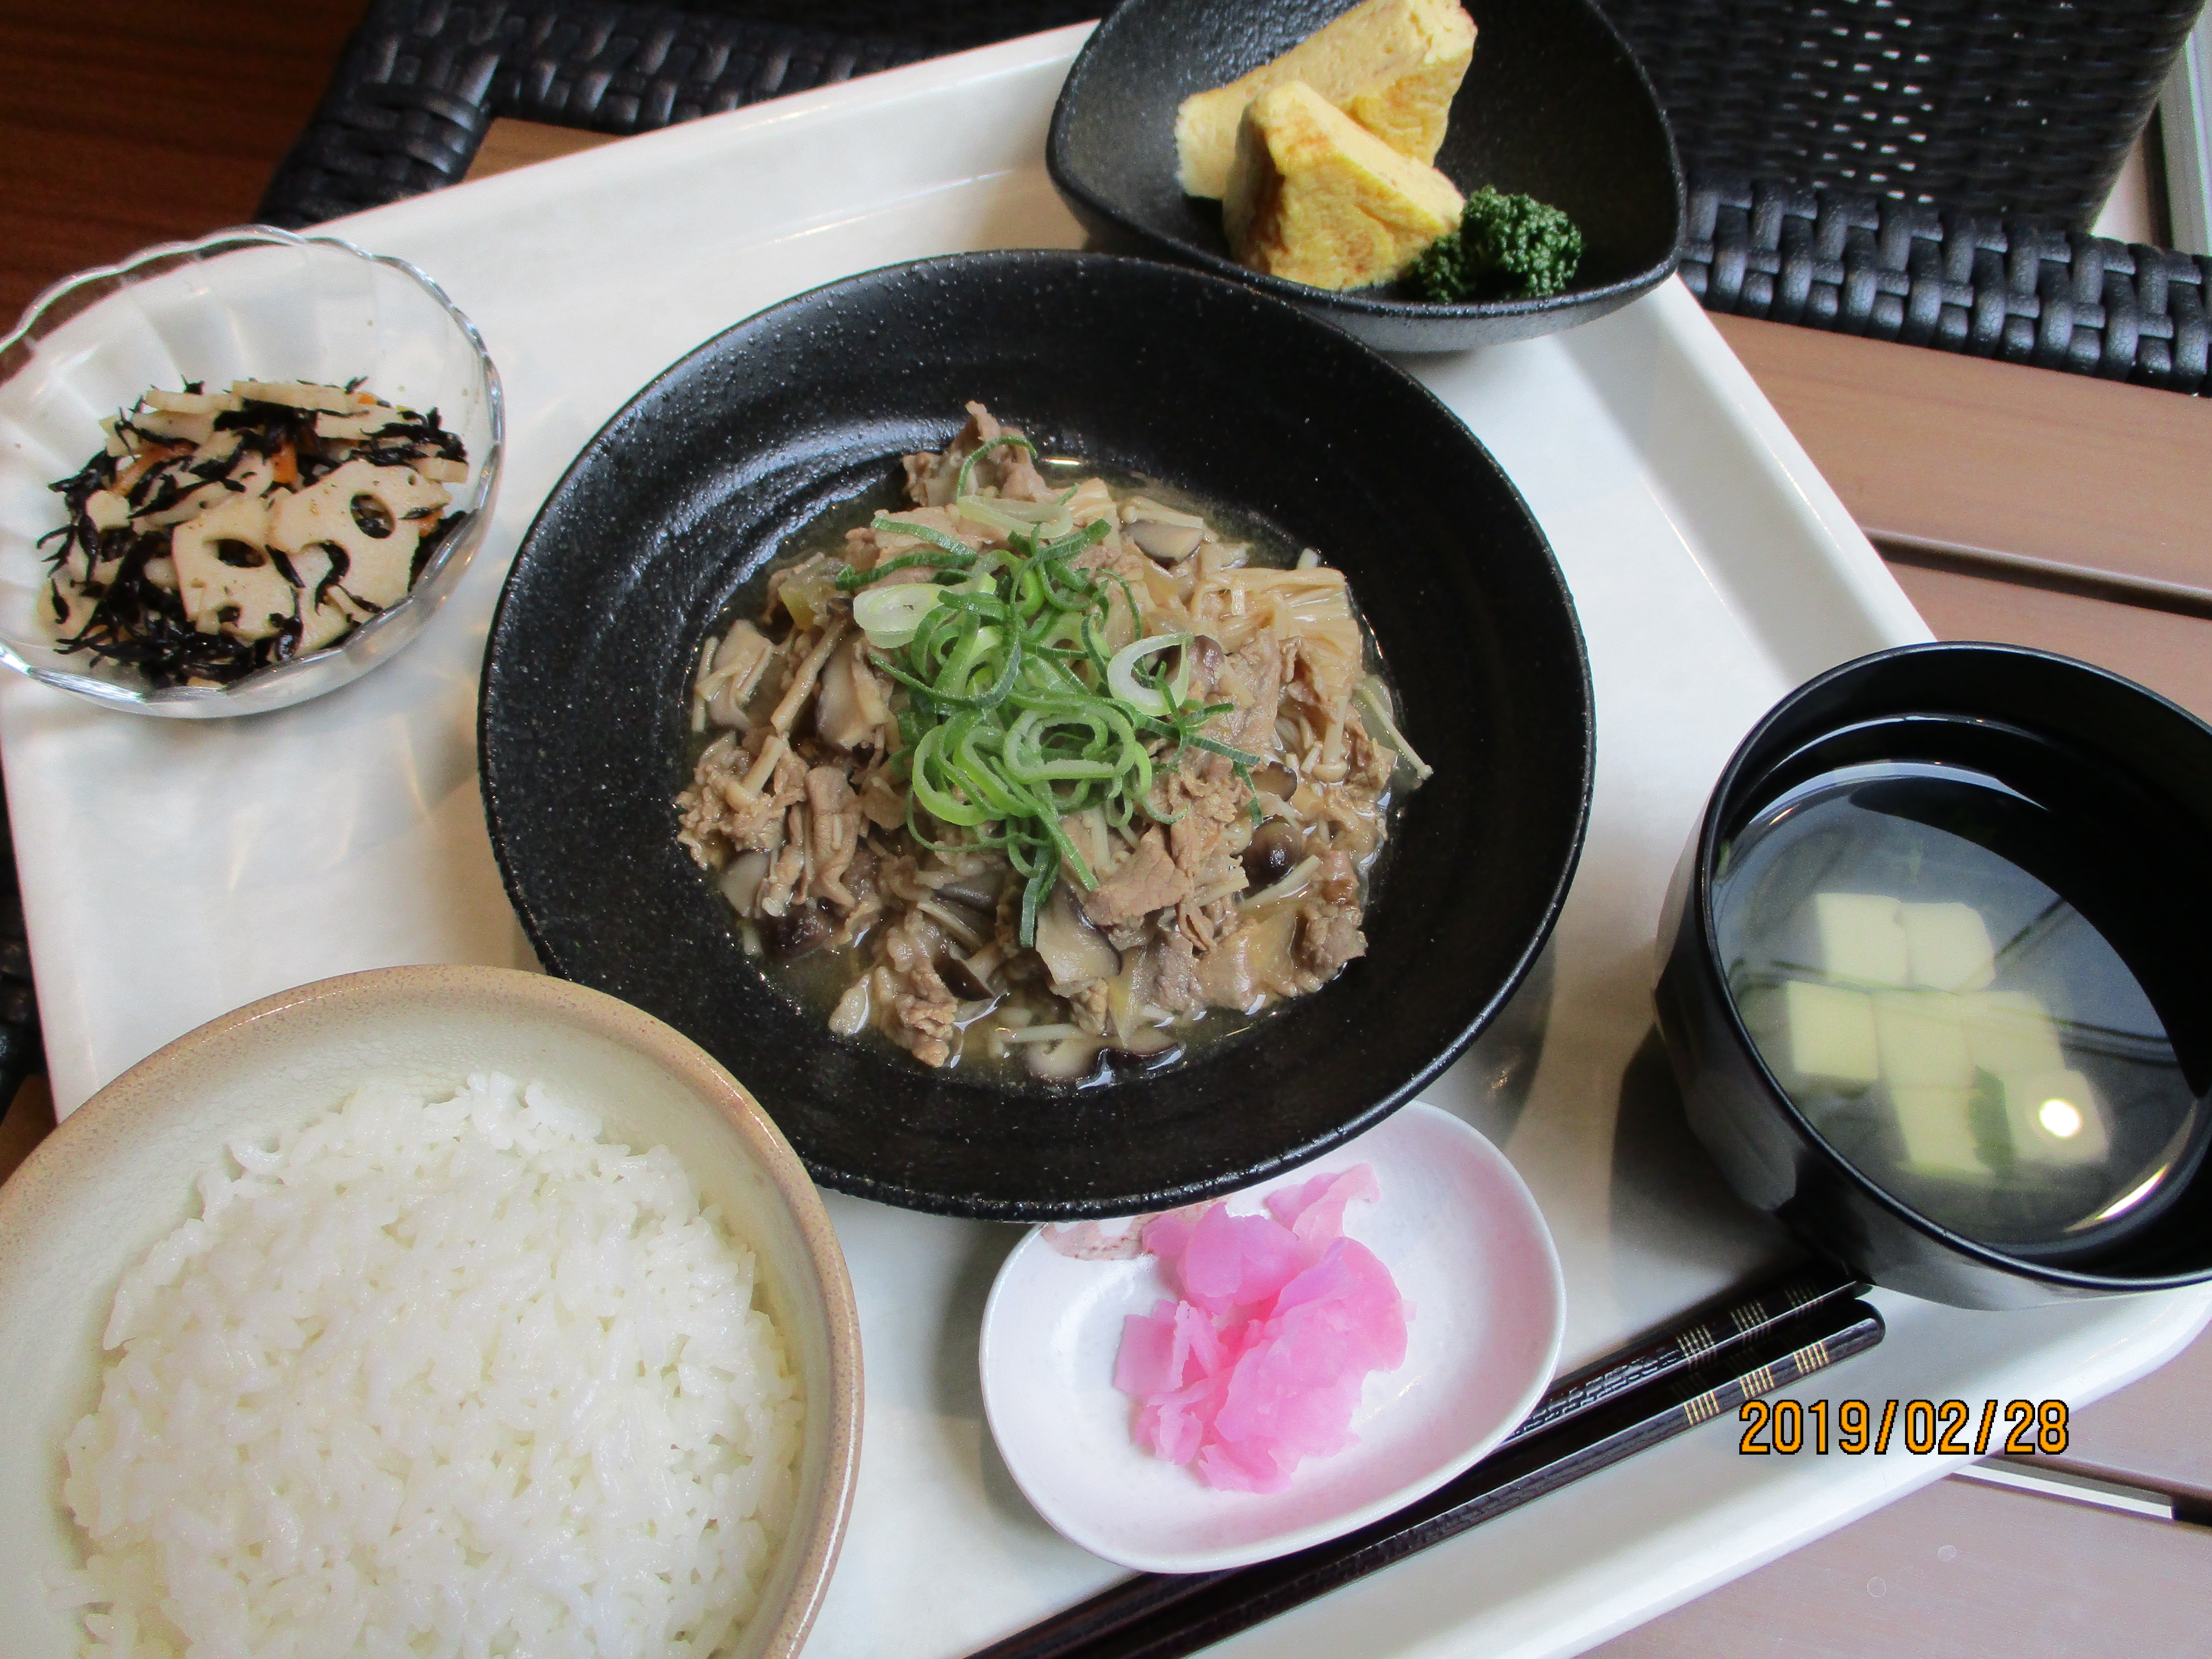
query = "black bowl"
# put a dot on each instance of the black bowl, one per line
(690, 490)
(2128, 776)
(1554, 106)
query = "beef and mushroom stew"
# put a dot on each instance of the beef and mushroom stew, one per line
(1038, 769)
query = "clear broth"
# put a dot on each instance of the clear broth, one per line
(2054, 1107)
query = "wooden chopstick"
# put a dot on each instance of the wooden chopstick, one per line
(2080, 580)
(1588, 1419)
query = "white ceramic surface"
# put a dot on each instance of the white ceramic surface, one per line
(255, 303)
(102, 1188)
(172, 870)
(1470, 1254)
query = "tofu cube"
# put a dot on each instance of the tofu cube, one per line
(1831, 1032)
(1863, 938)
(2010, 1033)
(2055, 1118)
(1923, 1045)
(1947, 947)
(1937, 1129)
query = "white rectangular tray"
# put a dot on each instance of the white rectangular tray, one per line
(172, 871)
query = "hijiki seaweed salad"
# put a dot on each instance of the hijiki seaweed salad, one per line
(219, 533)
(1048, 767)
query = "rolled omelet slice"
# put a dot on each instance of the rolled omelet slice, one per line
(1392, 65)
(1314, 196)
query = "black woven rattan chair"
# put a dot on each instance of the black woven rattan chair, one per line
(1994, 288)
(1928, 171)
(421, 80)
(1916, 172)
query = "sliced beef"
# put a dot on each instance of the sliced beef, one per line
(918, 1011)
(931, 480)
(738, 795)
(1166, 975)
(1149, 880)
(1327, 936)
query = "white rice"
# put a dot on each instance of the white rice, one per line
(436, 1377)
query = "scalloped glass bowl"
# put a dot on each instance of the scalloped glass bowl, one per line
(252, 303)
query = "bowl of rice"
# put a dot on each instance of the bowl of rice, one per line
(433, 1310)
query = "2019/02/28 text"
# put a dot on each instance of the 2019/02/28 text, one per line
(2014, 1428)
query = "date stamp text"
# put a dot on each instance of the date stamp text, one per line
(2013, 1428)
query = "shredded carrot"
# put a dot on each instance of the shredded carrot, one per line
(152, 456)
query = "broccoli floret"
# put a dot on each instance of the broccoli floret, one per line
(1506, 247)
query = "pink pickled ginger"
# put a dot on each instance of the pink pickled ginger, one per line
(1258, 1363)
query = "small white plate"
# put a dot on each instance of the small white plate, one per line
(1474, 1261)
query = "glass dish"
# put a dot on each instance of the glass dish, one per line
(250, 303)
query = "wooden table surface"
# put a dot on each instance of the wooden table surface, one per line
(2011, 503)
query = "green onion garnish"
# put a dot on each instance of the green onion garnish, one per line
(1016, 715)
(892, 615)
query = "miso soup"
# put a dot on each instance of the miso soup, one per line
(1912, 948)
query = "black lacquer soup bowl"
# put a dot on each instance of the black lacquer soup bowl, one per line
(1936, 983)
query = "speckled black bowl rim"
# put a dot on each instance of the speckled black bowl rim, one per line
(1710, 832)
(1443, 327)
(1391, 1093)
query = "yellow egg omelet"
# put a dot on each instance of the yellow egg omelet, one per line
(1314, 196)
(1392, 65)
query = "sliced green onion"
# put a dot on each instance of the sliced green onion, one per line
(1014, 517)
(1215, 746)
(925, 533)
(1251, 792)
(1016, 715)
(934, 791)
(944, 552)
(890, 616)
(1089, 536)
(982, 575)
(945, 693)
(1002, 514)
(848, 579)
(1034, 892)
(1121, 674)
